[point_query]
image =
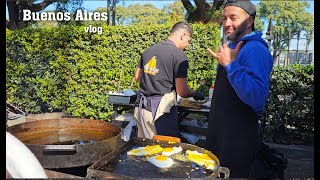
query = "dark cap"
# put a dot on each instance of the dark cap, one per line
(246, 5)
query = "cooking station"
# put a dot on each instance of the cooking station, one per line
(78, 148)
(183, 111)
(119, 165)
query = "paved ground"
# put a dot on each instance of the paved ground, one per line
(300, 160)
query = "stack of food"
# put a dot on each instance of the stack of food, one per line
(163, 157)
(191, 103)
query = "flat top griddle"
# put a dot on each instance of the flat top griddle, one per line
(118, 164)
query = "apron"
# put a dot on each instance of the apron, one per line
(150, 109)
(232, 128)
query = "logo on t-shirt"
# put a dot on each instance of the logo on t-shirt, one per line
(151, 66)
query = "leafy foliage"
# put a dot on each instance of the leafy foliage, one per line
(287, 16)
(15, 7)
(146, 14)
(175, 11)
(205, 11)
(135, 14)
(290, 106)
(66, 69)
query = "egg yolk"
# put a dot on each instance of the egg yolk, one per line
(135, 151)
(168, 149)
(205, 156)
(199, 157)
(210, 165)
(150, 148)
(202, 159)
(161, 158)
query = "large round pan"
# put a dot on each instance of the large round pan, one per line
(167, 141)
(68, 142)
(117, 164)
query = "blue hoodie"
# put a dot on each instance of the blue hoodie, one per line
(249, 73)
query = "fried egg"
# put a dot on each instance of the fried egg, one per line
(168, 151)
(201, 159)
(145, 151)
(161, 161)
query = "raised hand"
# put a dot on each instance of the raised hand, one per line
(226, 55)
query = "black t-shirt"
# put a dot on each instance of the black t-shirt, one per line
(161, 64)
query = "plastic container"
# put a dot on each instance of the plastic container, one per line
(122, 99)
(211, 91)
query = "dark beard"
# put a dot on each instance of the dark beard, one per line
(238, 32)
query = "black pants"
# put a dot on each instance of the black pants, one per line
(167, 124)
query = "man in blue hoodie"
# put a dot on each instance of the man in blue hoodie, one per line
(241, 89)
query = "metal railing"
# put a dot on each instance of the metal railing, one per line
(298, 49)
(297, 52)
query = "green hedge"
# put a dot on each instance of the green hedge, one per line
(66, 69)
(290, 106)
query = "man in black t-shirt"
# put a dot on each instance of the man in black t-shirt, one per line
(162, 73)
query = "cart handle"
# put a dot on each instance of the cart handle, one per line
(225, 171)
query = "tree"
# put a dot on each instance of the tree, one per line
(15, 6)
(145, 14)
(175, 12)
(258, 23)
(121, 15)
(47, 24)
(202, 11)
(287, 16)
